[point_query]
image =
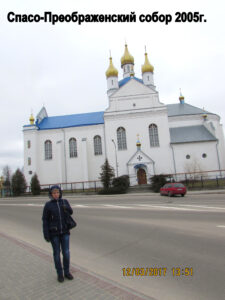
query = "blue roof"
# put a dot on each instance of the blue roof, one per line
(77, 120)
(125, 80)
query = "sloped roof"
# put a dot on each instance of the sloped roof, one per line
(126, 79)
(181, 109)
(190, 134)
(94, 118)
(76, 120)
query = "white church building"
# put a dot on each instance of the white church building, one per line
(138, 134)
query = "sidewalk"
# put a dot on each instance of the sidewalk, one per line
(27, 273)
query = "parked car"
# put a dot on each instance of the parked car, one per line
(173, 188)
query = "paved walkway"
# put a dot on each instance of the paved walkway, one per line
(27, 273)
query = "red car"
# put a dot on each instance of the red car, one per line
(173, 188)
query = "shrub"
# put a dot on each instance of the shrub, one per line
(157, 181)
(35, 185)
(120, 186)
(18, 183)
(121, 182)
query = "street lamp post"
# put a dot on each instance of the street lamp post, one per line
(116, 157)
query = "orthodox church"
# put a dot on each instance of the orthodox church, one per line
(138, 134)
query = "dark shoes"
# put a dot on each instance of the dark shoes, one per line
(69, 276)
(60, 278)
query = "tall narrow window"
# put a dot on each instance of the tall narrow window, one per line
(73, 147)
(29, 161)
(28, 144)
(97, 145)
(153, 135)
(121, 138)
(48, 149)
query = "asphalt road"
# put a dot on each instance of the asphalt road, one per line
(139, 232)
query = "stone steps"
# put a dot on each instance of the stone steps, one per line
(143, 188)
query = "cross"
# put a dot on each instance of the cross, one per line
(139, 157)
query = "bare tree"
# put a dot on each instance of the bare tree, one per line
(194, 167)
(7, 175)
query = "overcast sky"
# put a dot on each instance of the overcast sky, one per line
(63, 66)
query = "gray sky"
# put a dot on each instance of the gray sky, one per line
(63, 66)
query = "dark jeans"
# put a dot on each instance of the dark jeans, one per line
(61, 241)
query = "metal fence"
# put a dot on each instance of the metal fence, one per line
(200, 180)
(74, 187)
(71, 187)
(194, 180)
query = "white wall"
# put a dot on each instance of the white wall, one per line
(196, 161)
(30, 135)
(61, 167)
(139, 124)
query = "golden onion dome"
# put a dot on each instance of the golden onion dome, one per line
(138, 144)
(31, 119)
(181, 97)
(111, 71)
(127, 58)
(147, 67)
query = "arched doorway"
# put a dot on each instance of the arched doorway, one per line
(141, 176)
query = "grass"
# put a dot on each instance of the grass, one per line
(205, 184)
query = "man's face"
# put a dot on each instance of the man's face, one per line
(55, 194)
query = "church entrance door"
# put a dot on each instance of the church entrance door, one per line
(141, 176)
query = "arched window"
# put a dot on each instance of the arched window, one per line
(48, 149)
(97, 145)
(121, 138)
(73, 147)
(153, 135)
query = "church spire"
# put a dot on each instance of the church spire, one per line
(181, 98)
(112, 78)
(147, 67)
(138, 143)
(31, 119)
(111, 71)
(127, 63)
(147, 72)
